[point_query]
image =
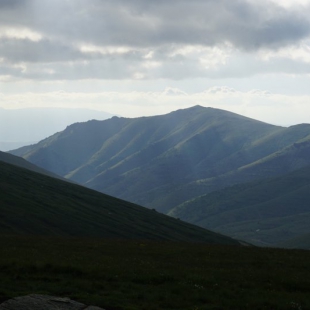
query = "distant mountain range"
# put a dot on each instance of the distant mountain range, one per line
(20, 127)
(36, 204)
(163, 162)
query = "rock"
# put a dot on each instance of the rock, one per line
(44, 302)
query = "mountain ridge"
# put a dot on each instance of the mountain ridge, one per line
(163, 161)
(19, 126)
(35, 204)
(22, 163)
(265, 212)
(180, 148)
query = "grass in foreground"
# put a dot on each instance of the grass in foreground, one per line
(124, 275)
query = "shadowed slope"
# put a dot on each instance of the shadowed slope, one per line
(129, 157)
(288, 159)
(265, 212)
(31, 203)
(22, 163)
(163, 161)
(299, 242)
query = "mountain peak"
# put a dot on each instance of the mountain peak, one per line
(163, 161)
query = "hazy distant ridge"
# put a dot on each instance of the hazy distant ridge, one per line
(19, 127)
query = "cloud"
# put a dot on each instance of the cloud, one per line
(27, 60)
(20, 33)
(148, 23)
(11, 4)
(245, 25)
(258, 104)
(147, 39)
(44, 51)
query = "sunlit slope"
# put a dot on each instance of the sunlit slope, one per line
(31, 203)
(162, 161)
(264, 212)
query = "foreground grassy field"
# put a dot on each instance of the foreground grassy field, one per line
(155, 275)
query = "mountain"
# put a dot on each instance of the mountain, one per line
(166, 162)
(20, 127)
(285, 160)
(299, 242)
(269, 212)
(22, 163)
(35, 204)
(163, 161)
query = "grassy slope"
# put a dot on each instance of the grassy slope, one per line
(198, 146)
(20, 162)
(263, 212)
(163, 161)
(299, 242)
(131, 275)
(128, 157)
(31, 203)
(283, 161)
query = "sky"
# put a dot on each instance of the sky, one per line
(150, 57)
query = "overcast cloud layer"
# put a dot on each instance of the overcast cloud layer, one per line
(222, 43)
(147, 39)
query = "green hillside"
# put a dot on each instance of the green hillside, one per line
(299, 242)
(20, 162)
(32, 203)
(286, 160)
(149, 160)
(263, 212)
(162, 162)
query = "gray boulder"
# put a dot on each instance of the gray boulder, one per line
(44, 302)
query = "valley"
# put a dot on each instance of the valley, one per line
(32, 203)
(224, 191)
(154, 155)
(170, 161)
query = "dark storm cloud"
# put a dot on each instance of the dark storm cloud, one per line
(103, 69)
(124, 67)
(245, 25)
(25, 50)
(49, 51)
(51, 47)
(214, 22)
(9, 4)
